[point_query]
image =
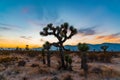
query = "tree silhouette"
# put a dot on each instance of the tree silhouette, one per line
(83, 48)
(104, 48)
(27, 47)
(62, 33)
(105, 57)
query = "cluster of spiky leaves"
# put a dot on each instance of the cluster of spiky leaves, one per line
(62, 33)
(83, 47)
(47, 45)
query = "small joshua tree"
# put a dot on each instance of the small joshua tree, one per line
(27, 47)
(17, 48)
(83, 48)
(62, 33)
(47, 47)
(106, 57)
(104, 48)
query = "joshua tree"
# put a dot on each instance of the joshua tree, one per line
(62, 33)
(27, 47)
(83, 48)
(47, 47)
(104, 48)
(17, 48)
(43, 55)
(106, 57)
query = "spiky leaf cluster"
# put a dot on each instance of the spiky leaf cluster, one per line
(83, 47)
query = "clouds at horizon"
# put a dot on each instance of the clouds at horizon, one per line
(111, 37)
(88, 31)
(25, 37)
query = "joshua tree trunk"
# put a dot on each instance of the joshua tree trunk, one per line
(62, 57)
(48, 59)
(43, 57)
(44, 62)
(84, 64)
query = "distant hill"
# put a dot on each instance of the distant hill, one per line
(96, 47)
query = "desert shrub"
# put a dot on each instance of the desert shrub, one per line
(21, 63)
(35, 65)
(68, 61)
(44, 70)
(101, 57)
(93, 57)
(105, 57)
(55, 78)
(97, 70)
(68, 77)
(24, 78)
(31, 54)
(5, 52)
(2, 77)
(8, 59)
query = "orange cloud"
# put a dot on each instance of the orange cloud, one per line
(110, 38)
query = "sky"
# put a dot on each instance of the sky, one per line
(97, 21)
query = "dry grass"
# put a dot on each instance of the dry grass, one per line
(42, 72)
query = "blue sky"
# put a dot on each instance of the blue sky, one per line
(96, 20)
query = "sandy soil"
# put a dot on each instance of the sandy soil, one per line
(41, 72)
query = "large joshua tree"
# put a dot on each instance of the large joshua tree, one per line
(83, 48)
(62, 33)
(46, 47)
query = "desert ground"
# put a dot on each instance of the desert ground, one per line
(34, 69)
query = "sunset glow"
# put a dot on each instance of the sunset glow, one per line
(22, 20)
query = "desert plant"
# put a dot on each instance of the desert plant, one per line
(2, 77)
(68, 77)
(8, 59)
(68, 61)
(83, 48)
(27, 47)
(61, 33)
(21, 63)
(47, 47)
(93, 57)
(107, 57)
(104, 48)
